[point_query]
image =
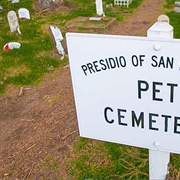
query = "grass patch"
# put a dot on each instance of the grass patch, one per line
(36, 39)
(85, 23)
(27, 65)
(101, 160)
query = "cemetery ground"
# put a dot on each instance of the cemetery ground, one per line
(39, 136)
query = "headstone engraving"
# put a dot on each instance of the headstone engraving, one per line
(23, 13)
(163, 18)
(58, 38)
(13, 21)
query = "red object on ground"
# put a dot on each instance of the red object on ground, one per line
(6, 47)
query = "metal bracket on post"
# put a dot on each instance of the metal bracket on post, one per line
(159, 160)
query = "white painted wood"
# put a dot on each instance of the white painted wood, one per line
(158, 160)
(99, 7)
(160, 30)
(122, 2)
(158, 164)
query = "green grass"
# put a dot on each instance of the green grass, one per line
(34, 53)
(36, 38)
(102, 160)
(90, 159)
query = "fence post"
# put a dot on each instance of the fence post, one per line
(158, 160)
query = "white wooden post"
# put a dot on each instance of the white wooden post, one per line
(158, 164)
(158, 160)
(99, 7)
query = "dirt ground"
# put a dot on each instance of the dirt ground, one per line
(39, 128)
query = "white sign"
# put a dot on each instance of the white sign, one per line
(127, 89)
(23, 13)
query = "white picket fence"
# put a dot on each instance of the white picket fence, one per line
(122, 2)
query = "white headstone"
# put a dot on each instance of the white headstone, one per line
(56, 33)
(58, 38)
(95, 18)
(13, 21)
(1, 8)
(163, 18)
(23, 13)
(12, 45)
(15, 1)
(177, 4)
(99, 7)
(177, 9)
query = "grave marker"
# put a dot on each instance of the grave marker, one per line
(95, 18)
(13, 21)
(23, 13)
(99, 7)
(177, 7)
(12, 45)
(58, 38)
(15, 1)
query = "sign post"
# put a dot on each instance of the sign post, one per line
(126, 91)
(158, 160)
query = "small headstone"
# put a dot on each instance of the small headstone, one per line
(177, 7)
(95, 18)
(1, 8)
(109, 6)
(99, 8)
(23, 13)
(177, 4)
(58, 38)
(11, 45)
(15, 1)
(49, 3)
(163, 18)
(13, 21)
(56, 33)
